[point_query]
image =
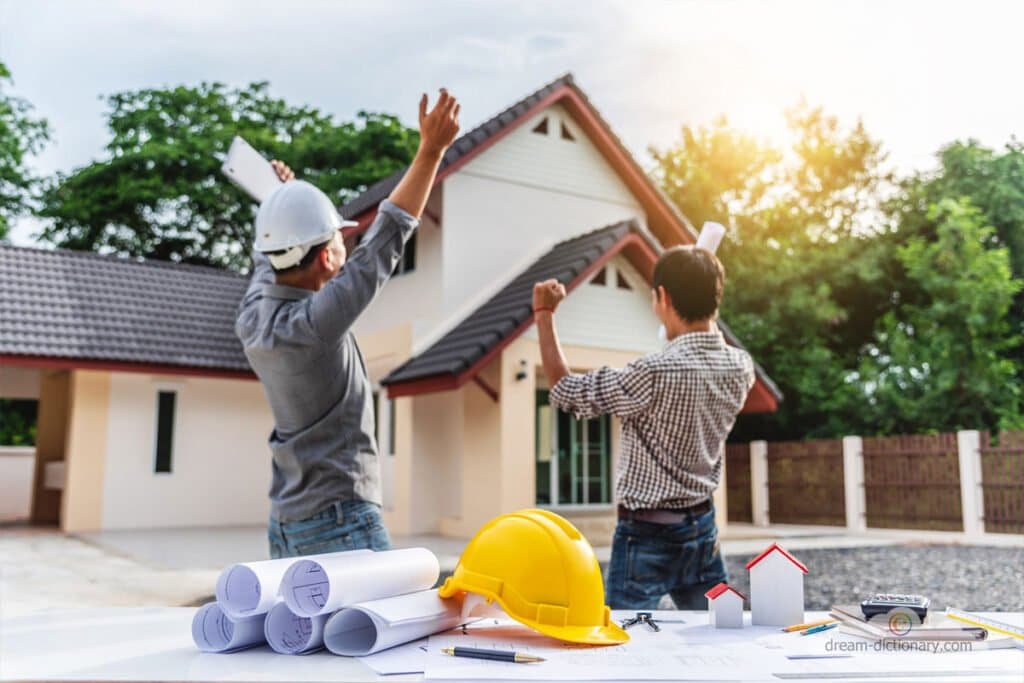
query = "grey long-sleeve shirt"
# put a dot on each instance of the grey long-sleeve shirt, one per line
(301, 346)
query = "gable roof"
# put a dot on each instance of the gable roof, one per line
(665, 220)
(461, 354)
(775, 547)
(77, 309)
(721, 588)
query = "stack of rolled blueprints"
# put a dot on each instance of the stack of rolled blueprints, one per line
(354, 603)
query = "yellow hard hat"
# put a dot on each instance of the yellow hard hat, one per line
(542, 572)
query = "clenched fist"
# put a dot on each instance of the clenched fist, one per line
(548, 294)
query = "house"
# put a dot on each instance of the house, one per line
(725, 606)
(776, 588)
(465, 429)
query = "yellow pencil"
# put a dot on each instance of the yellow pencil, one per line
(811, 624)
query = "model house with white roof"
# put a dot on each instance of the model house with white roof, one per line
(776, 588)
(725, 606)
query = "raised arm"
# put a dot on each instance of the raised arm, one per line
(334, 308)
(437, 132)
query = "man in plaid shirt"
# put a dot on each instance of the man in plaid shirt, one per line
(677, 407)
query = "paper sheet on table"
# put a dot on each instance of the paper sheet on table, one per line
(289, 634)
(214, 631)
(321, 585)
(647, 656)
(249, 588)
(247, 168)
(409, 658)
(369, 627)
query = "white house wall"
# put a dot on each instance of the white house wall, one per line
(518, 198)
(436, 460)
(607, 317)
(220, 458)
(413, 297)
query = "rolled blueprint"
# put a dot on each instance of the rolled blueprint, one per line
(252, 588)
(710, 236)
(214, 631)
(290, 634)
(322, 585)
(369, 627)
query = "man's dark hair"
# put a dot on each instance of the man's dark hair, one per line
(693, 278)
(310, 256)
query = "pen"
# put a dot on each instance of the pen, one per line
(496, 655)
(810, 624)
(819, 629)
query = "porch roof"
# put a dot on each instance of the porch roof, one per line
(462, 352)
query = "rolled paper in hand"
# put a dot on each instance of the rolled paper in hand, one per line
(711, 236)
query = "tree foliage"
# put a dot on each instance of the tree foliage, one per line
(878, 306)
(159, 192)
(21, 135)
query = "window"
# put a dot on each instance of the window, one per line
(600, 278)
(165, 402)
(620, 281)
(542, 127)
(567, 134)
(573, 457)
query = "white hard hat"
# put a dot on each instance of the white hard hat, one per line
(294, 218)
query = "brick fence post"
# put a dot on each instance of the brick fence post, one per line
(853, 484)
(759, 482)
(968, 444)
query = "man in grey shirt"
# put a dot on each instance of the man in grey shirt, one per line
(295, 324)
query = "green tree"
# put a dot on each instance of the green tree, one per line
(21, 135)
(942, 362)
(807, 276)
(159, 193)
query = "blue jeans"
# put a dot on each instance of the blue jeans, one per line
(347, 525)
(650, 560)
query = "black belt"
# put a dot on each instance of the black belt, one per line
(665, 515)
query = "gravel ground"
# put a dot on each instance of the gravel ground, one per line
(976, 578)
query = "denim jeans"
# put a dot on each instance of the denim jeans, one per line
(650, 560)
(347, 525)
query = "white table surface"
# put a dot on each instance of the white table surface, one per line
(155, 644)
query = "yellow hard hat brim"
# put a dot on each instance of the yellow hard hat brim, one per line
(611, 634)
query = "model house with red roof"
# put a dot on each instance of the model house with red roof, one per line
(725, 606)
(776, 588)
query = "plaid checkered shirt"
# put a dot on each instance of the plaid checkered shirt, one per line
(677, 407)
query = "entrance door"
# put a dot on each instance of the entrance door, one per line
(573, 457)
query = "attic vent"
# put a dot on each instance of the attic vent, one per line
(620, 281)
(566, 134)
(600, 278)
(542, 127)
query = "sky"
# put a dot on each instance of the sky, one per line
(919, 74)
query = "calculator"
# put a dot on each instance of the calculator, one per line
(883, 602)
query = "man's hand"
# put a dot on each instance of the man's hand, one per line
(439, 127)
(282, 171)
(548, 294)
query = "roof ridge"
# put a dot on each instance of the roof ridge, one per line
(118, 259)
(454, 151)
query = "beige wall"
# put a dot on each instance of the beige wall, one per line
(85, 451)
(220, 461)
(51, 439)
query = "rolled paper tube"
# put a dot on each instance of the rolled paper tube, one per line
(711, 236)
(250, 588)
(317, 586)
(291, 634)
(369, 627)
(214, 631)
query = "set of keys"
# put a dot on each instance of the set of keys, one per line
(642, 618)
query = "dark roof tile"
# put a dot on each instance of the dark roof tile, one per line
(79, 305)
